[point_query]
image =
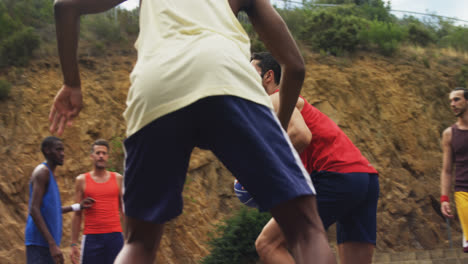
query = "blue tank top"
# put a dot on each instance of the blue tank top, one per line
(51, 210)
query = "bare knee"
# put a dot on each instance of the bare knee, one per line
(263, 246)
(143, 235)
(299, 218)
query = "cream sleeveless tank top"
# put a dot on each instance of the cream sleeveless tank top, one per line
(188, 50)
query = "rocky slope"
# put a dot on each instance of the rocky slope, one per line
(393, 109)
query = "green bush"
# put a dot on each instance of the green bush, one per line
(386, 37)
(331, 32)
(235, 238)
(256, 45)
(102, 27)
(5, 88)
(462, 76)
(457, 39)
(420, 35)
(18, 48)
(295, 18)
(7, 24)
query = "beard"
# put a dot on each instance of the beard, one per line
(461, 113)
(101, 165)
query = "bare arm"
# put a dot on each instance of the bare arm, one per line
(40, 182)
(76, 220)
(121, 204)
(298, 132)
(274, 33)
(446, 174)
(68, 101)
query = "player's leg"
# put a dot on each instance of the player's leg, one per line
(303, 229)
(257, 151)
(464, 244)
(156, 163)
(38, 255)
(356, 252)
(114, 243)
(461, 203)
(271, 245)
(142, 241)
(356, 232)
(93, 249)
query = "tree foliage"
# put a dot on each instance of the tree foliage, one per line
(5, 88)
(234, 240)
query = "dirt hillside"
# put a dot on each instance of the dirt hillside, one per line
(393, 109)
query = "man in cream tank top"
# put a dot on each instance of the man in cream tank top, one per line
(193, 86)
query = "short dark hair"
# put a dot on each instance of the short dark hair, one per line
(100, 142)
(48, 142)
(267, 62)
(465, 91)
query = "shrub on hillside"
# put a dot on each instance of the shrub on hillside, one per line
(457, 39)
(5, 88)
(256, 45)
(7, 24)
(33, 13)
(102, 27)
(462, 76)
(235, 238)
(420, 35)
(386, 37)
(295, 18)
(18, 48)
(331, 32)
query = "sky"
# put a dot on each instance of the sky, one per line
(449, 8)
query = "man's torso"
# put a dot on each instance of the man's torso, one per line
(104, 215)
(459, 144)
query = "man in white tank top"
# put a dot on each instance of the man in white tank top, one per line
(193, 86)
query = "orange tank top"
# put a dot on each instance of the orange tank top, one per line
(103, 217)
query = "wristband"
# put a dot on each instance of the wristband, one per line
(444, 198)
(76, 207)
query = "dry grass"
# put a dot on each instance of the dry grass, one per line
(436, 52)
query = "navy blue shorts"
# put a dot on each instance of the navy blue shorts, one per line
(350, 200)
(38, 255)
(101, 248)
(245, 136)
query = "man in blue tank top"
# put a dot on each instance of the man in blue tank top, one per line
(44, 224)
(455, 152)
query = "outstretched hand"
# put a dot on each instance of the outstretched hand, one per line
(87, 202)
(67, 105)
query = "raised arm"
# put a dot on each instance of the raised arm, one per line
(446, 174)
(40, 182)
(68, 101)
(273, 31)
(298, 132)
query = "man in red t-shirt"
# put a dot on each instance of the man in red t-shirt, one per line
(346, 183)
(102, 234)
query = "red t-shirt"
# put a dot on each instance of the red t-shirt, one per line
(330, 148)
(103, 217)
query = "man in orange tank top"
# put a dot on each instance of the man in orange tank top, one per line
(102, 234)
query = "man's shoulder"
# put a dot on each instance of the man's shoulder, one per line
(81, 177)
(447, 131)
(41, 171)
(117, 175)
